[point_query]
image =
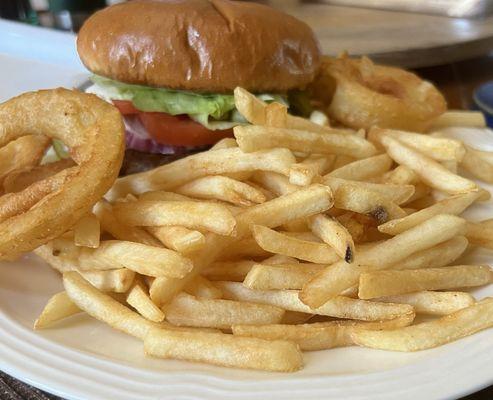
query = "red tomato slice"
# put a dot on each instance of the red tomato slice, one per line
(180, 130)
(125, 107)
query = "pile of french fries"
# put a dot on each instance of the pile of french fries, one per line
(294, 236)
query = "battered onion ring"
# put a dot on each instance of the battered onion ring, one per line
(366, 94)
(93, 130)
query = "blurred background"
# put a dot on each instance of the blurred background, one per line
(449, 42)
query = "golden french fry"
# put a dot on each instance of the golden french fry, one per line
(276, 115)
(226, 143)
(280, 276)
(178, 238)
(338, 307)
(388, 283)
(58, 307)
(138, 257)
(429, 171)
(202, 288)
(252, 138)
(437, 256)
(255, 111)
(361, 200)
(218, 162)
(276, 183)
(87, 231)
(433, 303)
(222, 188)
(189, 214)
(225, 350)
(361, 170)
(480, 234)
(334, 234)
(305, 202)
(479, 163)
(213, 313)
(139, 299)
(61, 263)
(430, 334)
(452, 205)
(341, 276)
(275, 242)
(302, 175)
(474, 119)
(439, 149)
(319, 335)
(396, 193)
(114, 280)
(119, 230)
(103, 307)
(401, 175)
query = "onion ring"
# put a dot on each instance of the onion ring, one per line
(367, 95)
(93, 131)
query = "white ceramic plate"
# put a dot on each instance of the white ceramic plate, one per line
(84, 359)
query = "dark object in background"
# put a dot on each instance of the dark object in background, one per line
(18, 10)
(69, 15)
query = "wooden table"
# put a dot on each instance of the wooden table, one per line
(399, 38)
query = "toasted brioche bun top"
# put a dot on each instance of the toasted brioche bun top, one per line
(200, 45)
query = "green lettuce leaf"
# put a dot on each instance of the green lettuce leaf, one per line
(172, 102)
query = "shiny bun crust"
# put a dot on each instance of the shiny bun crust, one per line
(208, 46)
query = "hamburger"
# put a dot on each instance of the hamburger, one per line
(170, 67)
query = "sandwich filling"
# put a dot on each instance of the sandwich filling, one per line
(166, 121)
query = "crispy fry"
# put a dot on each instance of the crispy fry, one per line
(426, 335)
(253, 138)
(388, 283)
(361, 200)
(281, 276)
(225, 350)
(479, 163)
(430, 172)
(139, 299)
(212, 313)
(433, 303)
(319, 335)
(109, 223)
(459, 118)
(202, 288)
(334, 234)
(439, 149)
(361, 170)
(193, 215)
(339, 307)
(114, 280)
(452, 205)
(278, 243)
(216, 162)
(86, 232)
(178, 238)
(340, 276)
(222, 188)
(103, 307)
(58, 307)
(396, 193)
(141, 258)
